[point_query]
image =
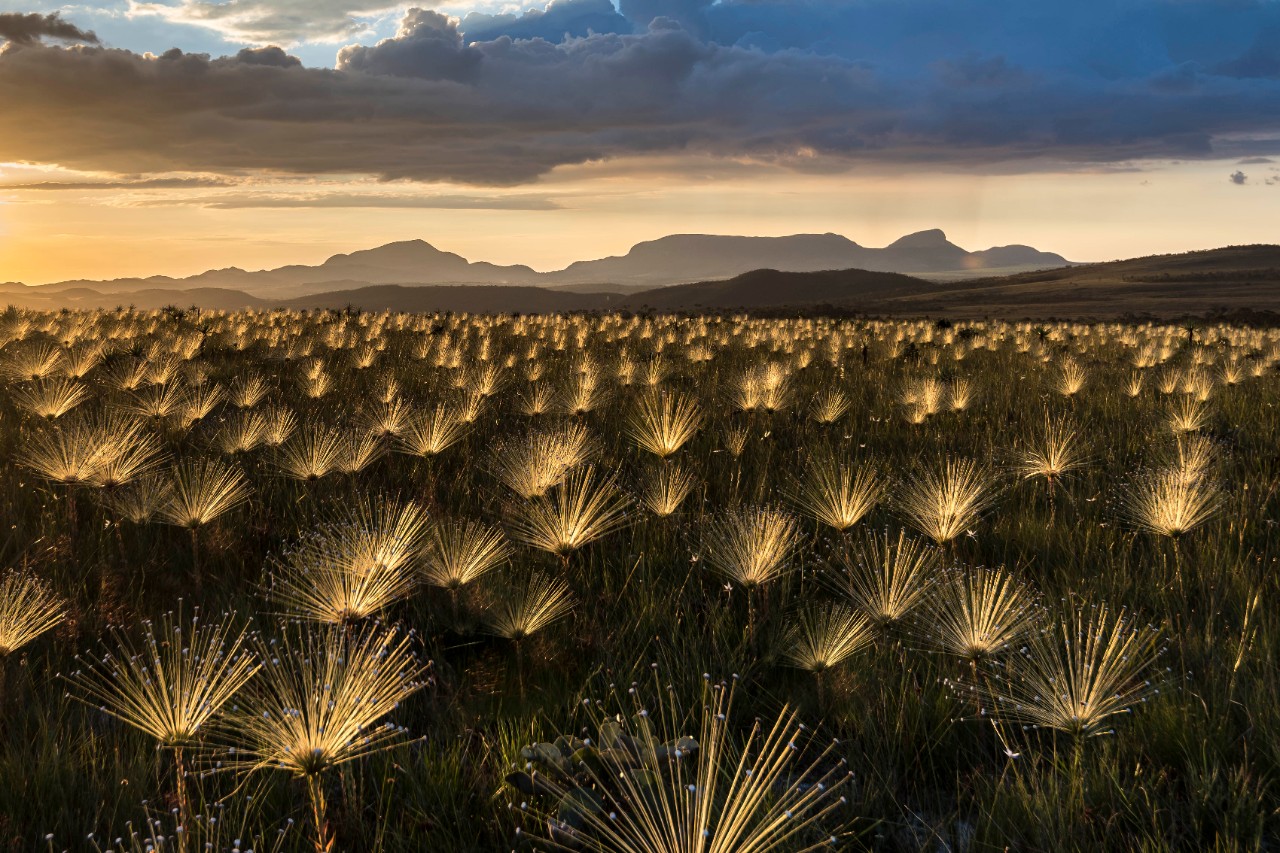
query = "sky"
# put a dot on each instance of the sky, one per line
(142, 137)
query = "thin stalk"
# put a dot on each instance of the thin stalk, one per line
(195, 557)
(520, 667)
(180, 785)
(319, 812)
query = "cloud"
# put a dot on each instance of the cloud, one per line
(1238, 178)
(17, 28)
(271, 55)
(292, 22)
(576, 18)
(809, 85)
(690, 14)
(1255, 161)
(134, 184)
(263, 22)
(360, 200)
(428, 45)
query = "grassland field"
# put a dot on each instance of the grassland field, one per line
(382, 581)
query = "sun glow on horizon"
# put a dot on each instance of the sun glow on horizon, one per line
(138, 226)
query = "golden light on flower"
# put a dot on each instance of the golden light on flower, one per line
(751, 546)
(946, 500)
(578, 511)
(887, 577)
(837, 492)
(1078, 674)
(663, 423)
(822, 636)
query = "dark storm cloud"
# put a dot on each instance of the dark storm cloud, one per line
(811, 85)
(17, 28)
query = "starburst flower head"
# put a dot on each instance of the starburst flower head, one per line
(944, 501)
(204, 490)
(1077, 675)
(663, 423)
(542, 458)
(822, 636)
(28, 609)
(1170, 501)
(171, 684)
(142, 500)
(315, 451)
(354, 568)
(664, 780)
(751, 546)
(459, 552)
(829, 406)
(1052, 454)
(665, 488)
(69, 453)
(837, 492)
(518, 608)
(582, 509)
(975, 613)
(52, 398)
(429, 433)
(886, 577)
(320, 696)
(1071, 378)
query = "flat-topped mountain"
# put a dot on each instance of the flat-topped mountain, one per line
(700, 257)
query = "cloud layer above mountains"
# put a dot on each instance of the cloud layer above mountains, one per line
(501, 99)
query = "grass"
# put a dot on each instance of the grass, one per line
(916, 551)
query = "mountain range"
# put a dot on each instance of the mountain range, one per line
(399, 276)
(675, 259)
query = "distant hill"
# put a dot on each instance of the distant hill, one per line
(1192, 283)
(408, 262)
(677, 259)
(1226, 279)
(378, 297)
(753, 290)
(775, 289)
(499, 299)
(143, 299)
